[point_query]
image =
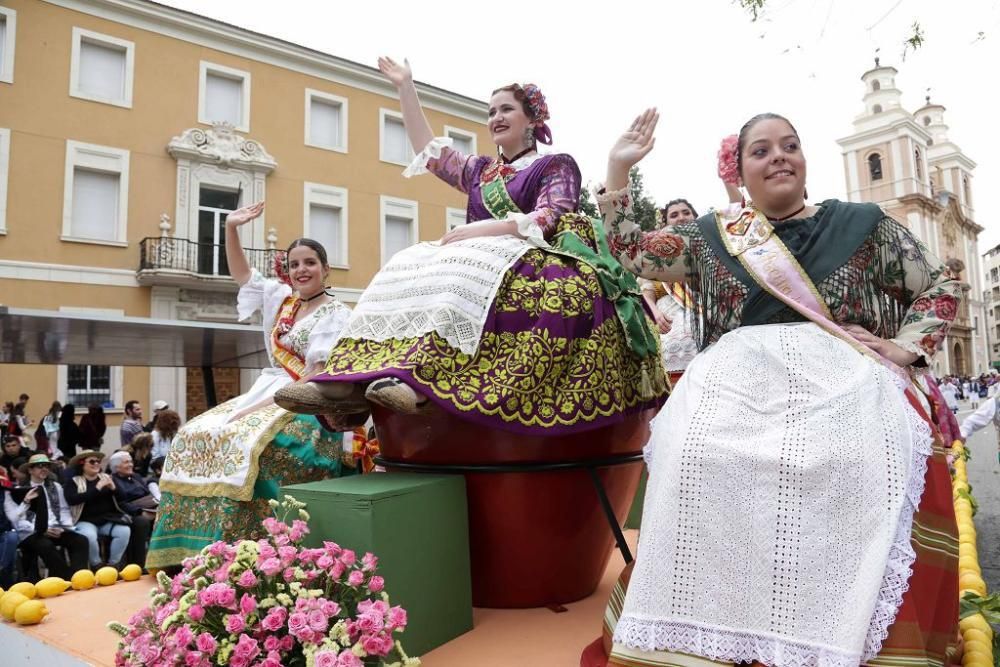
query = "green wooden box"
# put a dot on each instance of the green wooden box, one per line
(418, 527)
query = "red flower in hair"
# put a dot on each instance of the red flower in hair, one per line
(728, 171)
(281, 267)
(539, 108)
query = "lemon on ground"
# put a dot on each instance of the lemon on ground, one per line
(9, 602)
(82, 580)
(26, 589)
(106, 576)
(976, 621)
(51, 587)
(966, 538)
(30, 612)
(972, 581)
(975, 634)
(131, 572)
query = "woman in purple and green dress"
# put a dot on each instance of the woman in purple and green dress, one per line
(505, 321)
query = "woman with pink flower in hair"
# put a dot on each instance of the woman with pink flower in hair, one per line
(223, 465)
(504, 322)
(799, 506)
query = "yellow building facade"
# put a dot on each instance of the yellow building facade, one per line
(128, 129)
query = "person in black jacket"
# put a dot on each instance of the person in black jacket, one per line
(100, 513)
(135, 498)
(69, 432)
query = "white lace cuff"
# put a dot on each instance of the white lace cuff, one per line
(529, 230)
(431, 151)
(910, 346)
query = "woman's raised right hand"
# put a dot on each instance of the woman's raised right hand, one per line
(398, 74)
(636, 141)
(242, 216)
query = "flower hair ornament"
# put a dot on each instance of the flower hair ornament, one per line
(728, 170)
(281, 267)
(539, 112)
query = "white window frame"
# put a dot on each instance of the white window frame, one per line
(453, 218)
(204, 69)
(7, 57)
(4, 174)
(399, 208)
(311, 94)
(454, 132)
(97, 158)
(117, 372)
(389, 113)
(330, 196)
(79, 36)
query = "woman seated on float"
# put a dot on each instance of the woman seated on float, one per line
(225, 464)
(506, 321)
(763, 538)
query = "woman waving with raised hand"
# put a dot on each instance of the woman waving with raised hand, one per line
(780, 522)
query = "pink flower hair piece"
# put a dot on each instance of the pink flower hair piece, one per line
(539, 112)
(728, 170)
(281, 267)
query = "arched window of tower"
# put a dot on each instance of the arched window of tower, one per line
(876, 85)
(877, 108)
(927, 121)
(875, 166)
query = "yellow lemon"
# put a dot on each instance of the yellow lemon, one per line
(975, 634)
(966, 538)
(976, 621)
(969, 564)
(30, 612)
(977, 646)
(83, 580)
(51, 587)
(972, 581)
(106, 576)
(131, 572)
(976, 660)
(9, 602)
(26, 589)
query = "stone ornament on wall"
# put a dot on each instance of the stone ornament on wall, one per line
(221, 145)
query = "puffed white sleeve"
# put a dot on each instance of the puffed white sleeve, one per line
(260, 293)
(325, 335)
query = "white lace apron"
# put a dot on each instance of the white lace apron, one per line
(784, 472)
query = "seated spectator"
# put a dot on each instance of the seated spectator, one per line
(8, 543)
(40, 515)
(134, 497)
(141, 450)
(167, 424)
(69, 432)
(92, 493)
(13, 449)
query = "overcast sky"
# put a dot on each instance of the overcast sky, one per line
(704, 63)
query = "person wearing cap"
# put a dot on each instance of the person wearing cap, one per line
(158, 407)
(92, 494)
(43, 521)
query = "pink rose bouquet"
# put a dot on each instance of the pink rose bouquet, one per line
(268, 603)
(728, 170)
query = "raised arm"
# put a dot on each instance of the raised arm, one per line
(239, 267)
(418, 130)
(662, 254)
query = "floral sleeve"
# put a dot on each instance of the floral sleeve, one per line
(662, 254)
(921, 279)
(558, 194)
(454, 168)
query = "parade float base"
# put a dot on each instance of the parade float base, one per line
(75, 634)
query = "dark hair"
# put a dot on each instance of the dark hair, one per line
(23, 397)
(316, 246)
(129, 405)
(54, 409)
(68, 413)
(19, 409)
(167, 423)
(519, 95)
(747, 126)
(675, 202)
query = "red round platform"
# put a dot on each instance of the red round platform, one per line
(535, 538)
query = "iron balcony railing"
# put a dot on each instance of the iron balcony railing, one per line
(203, 259)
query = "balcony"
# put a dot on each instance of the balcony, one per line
(178, 262)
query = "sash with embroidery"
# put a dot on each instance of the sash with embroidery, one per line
(497, 200)
(749, 237)
(293, 364)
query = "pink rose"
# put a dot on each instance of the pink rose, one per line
(377, 644)
(369, 561)
(206, 643)
(248, 604)
(318, 621)
(336, 570)
(194, 659)
(331, 548)
(396, 618)
(287, 643)
(248, 579)
(298, 624)
(329, 607)
(239, 661)
(273, 526)
(370, 622)
(246, 647)
(235, 624)
(348, 659)
(183, 636)
(271, 566)
(270, 643)
(376, 584)
(326, 659)
(275, 619)
(324, 561)
(196, 612)
(273, 660)
(356, 578)
(348, 557)
(728, 170)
